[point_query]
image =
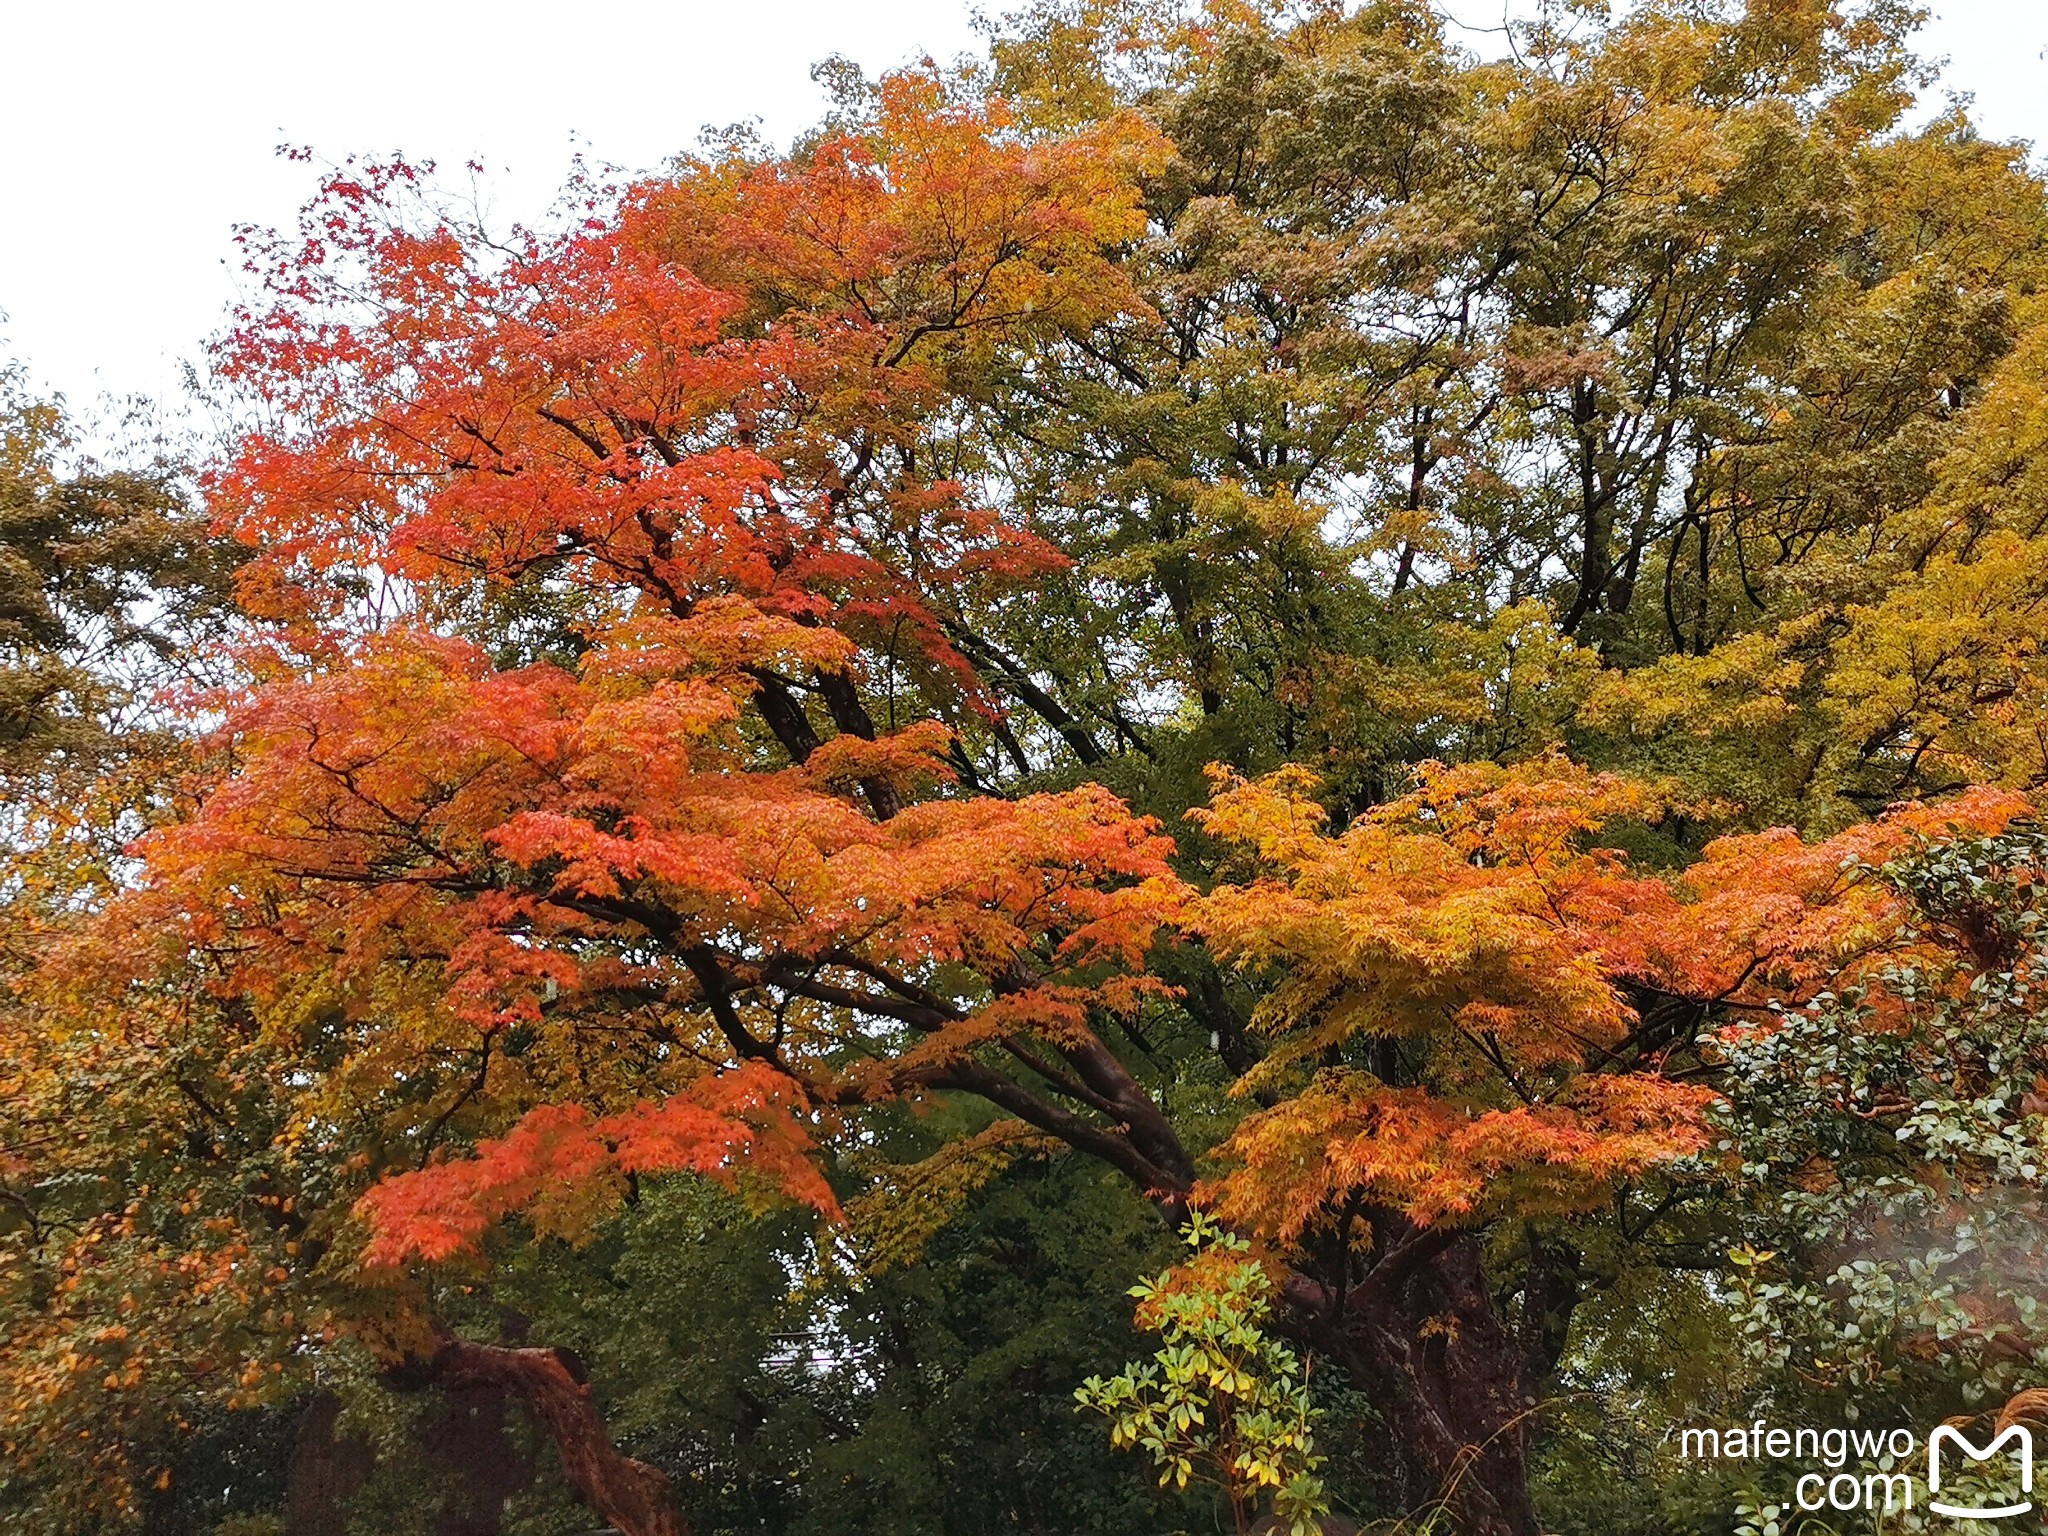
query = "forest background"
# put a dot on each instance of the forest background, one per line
(1390, 699)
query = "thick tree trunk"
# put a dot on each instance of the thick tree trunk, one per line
(1425, 1343)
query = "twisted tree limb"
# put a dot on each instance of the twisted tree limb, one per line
(634, 1497)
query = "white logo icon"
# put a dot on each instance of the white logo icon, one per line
(2025, 1452)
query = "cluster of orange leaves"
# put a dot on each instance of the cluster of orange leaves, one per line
(551, 852)
(689, 397)
(559, 1157)
(1483, 912)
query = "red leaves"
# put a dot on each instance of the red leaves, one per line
(563, 1168)
(716, 388)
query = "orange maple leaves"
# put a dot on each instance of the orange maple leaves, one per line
(417, 800)
(562, 1167)
(583, 855)
(445, 853)
(719, 385)
(935, 214)
(1439, 1157)
(1551, 982)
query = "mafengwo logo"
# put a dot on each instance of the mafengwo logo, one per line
(2021, 1441)
(1949, 1457)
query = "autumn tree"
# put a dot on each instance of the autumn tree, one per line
(730, 675)
(683, 486)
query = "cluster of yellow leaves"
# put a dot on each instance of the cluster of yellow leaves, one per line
(1444, 910)
(1926, 672)
(1222, 1401)
(909, 246)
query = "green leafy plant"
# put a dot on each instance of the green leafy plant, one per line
(1223, 1401)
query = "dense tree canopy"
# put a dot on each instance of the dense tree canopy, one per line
(712, 828)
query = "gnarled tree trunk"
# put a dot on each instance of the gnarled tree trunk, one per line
(1422, 1338)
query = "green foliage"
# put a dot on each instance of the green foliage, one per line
(931, 1399)
(1223, 1401)
(1895, 1140)
(110, 584)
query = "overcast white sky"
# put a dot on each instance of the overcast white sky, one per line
(134, 133)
